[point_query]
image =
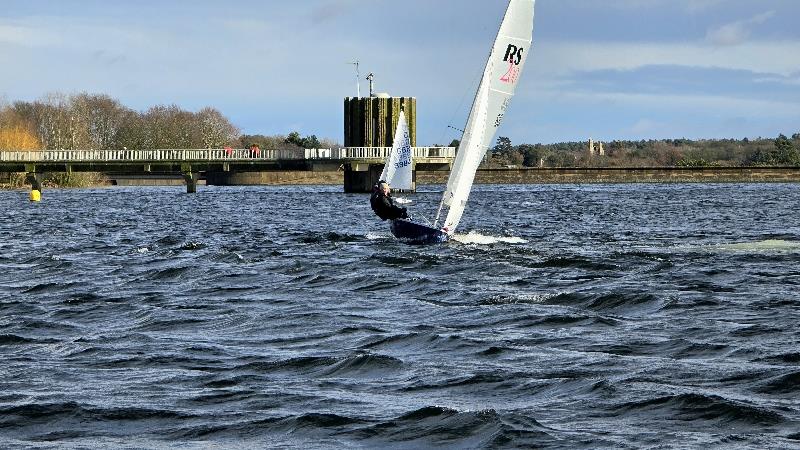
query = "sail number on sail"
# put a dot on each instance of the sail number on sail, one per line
(404, 153)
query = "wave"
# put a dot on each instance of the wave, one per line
(569, 321)
(574, 262)
(372, 285)
(221, 396)
(10, 416)
(315, 238)
(393, 260)
(159, 361)
(782, 385)
(418, 341)
(170, 273)
(757, 330)
(151, 323)
(319, 420)
(83, 298)
(310, 425)
(362, 365)
(473, 237)
(443, 426)
(495, 351)
(46, 288)
(403, 200)
(168, 241)
(50, 262)
(13, 339)
(483, 382)
(783, 358)
(680, 349)
(613, 301)
(515, 299)
(695, 408)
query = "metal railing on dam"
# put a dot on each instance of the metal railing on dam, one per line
(220, 155)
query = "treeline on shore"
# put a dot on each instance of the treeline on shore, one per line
(780, 151)
(99, 122)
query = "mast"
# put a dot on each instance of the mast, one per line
(510, 49)
(466, 124)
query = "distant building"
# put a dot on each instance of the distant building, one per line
(596, 148)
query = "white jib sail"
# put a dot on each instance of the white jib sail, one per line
(509, 53)
(398, 168)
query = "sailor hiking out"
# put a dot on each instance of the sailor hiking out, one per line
(383, 203)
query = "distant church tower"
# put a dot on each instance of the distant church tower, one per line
(596, 148)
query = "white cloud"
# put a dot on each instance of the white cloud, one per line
(56, 33)
(789, 81)
(557, 59)
(690, 6)
(737, 32)
(676, 102)
(26, 36)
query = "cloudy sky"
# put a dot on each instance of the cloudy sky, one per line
(608, 69)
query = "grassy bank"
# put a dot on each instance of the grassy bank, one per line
(56, 180)
(483, 176)
(626, 175)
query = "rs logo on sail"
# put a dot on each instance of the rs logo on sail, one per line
(513, 58)
(513, 51)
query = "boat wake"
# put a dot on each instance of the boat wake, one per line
(769, 245)
(371, 236)
(476, 238)
(403, 201)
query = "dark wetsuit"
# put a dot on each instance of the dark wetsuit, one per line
(384, 207)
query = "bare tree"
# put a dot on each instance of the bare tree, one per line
(168, 127)
(103, 118)
(215, 131)
(15, 132)
(132, 131)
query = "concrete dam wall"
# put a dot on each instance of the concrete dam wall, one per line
(535, 175)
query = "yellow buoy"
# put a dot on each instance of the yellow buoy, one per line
(36, 195)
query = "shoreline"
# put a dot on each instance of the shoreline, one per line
(606, 175)
(548, 175)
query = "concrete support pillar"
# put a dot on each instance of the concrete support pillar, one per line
(191, 181)
(357, 181)
(360, 179)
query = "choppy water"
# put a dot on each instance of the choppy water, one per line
(598, 316)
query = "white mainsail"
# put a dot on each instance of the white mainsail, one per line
(508, 56)
(398, 169)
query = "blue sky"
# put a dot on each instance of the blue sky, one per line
(607, 69)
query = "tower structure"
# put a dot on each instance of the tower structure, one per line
(596, 148)
(371, 121)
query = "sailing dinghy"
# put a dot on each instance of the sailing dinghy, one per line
(506, 60)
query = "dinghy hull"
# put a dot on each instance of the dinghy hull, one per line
(417, 233)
